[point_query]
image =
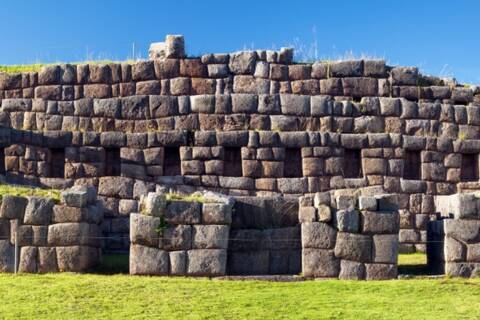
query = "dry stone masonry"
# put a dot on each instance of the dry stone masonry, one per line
(50, 237)
(180, 237)
(245, 124)
(349, 238)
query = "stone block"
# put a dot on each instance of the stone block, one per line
(77, 196)
(177, 237)
(352, 68)
(380, 222)
(47, 260)
(243, 62)
(13, 207)
(244, 103)
(6, 256)
(351, 270)
(454, 251)
(210, 236)
(385, 248)
(183, 212)
(154, 204)
(72, 233)
(178, 263)
(387, 202)
(116, 187)
(347, 220)
(324, 213)
(144, 230)
(462, 230)
(318, 235)
(148, 261)
(353, 247)
(320, 263)
(367, 203)
(307, 214)
(345, 202)
(298, 105)
(376, 271)
(206, 262)
(77, 258)
(38, 211)
(28, 260)
(216, 213)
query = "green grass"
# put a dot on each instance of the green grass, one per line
(74, 296)
(413, 264)
(29, 191)
(189, 197)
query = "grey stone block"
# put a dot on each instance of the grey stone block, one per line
(144, 230)
(463, 230)
(148, 261)
(347, 220)
(385, 248)
(297, 105)
(243, 62)
(462, 269)
(28, 260)
(244, 103)
(154, 204)
(351, 270)
(6, 256)
(216, 213)
(183, 212)
(75, 197)
(210, 236)
(47, 260)
(345, 202)
(376, 271)
(380, 222)
(206, 262)
(13, 207)
(177, 238)
(116, 187)
(71, 234)
(202, 103)
(367, 203)
(318, 235)
(320, 263)
(38, 211)
(353, 247)
(454, 251)
(178, 263)
(105, 108)
(77, 258)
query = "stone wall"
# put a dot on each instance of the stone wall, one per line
(180, 237)
(250, 123)
(349, 238)
(51, 237)
(455, 239)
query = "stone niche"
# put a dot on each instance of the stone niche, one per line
(51, 237)
(454, 241)
(180, 237)
(349, 238)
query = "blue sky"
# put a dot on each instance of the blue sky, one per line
(441, 37)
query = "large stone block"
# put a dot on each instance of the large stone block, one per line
(47, 260)
(206, 262)
(38, 211)
(353, 247)
(298, 105)
(144, 230)
(376, 271)
(77, 196)
(210, 236)
(380, 222)
(385, 248)
(77, 258)
(6, 256)
(71, 234)
(176, 238)
(28, 260)
(320, 263)
(116, 187)
(91, 214)
(347, 220)
(178, 263)
(351, 270)
(13, 207)
(243, 62)
(463, 230)
(216, 213)
(154, 204)
(318, 235)
(183, 212)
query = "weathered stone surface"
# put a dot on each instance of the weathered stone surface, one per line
(28, 260)
(347, 220)
(318, 235)
(13, 207)
(144, 230)
(38, 211)
(148, 261)
(376, 271)
(463, 230)
(242, 62)
(47, 260)
(116, 187)
(154, 204)
(353, 247)
(351, 270)
(210, 236)
(77, 258)
(380, 222)
(385, 248)
(178, 262)
(216, 213)
(183, 212)
(206, 262)
(6, 256)
(76, 196)
(320, 263)
(177, 237)
(72, 233)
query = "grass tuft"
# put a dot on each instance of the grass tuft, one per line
(23, 191)
(190, 198)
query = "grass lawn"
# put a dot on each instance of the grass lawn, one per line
(75, 296)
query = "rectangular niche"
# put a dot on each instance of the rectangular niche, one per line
(469, 169)
(232, 162)
(113, 163)
(292, 167)
(352, 164)
(2, 160)
(57, 163)
(412, 167)
(171, 161)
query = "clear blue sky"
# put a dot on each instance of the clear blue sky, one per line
(441, 37)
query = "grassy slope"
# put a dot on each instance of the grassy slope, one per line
(121, 296)
(27, 191)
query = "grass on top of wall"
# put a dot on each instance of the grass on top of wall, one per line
(188, 197)
(36, 67)
(24, 191)
(93, 296)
